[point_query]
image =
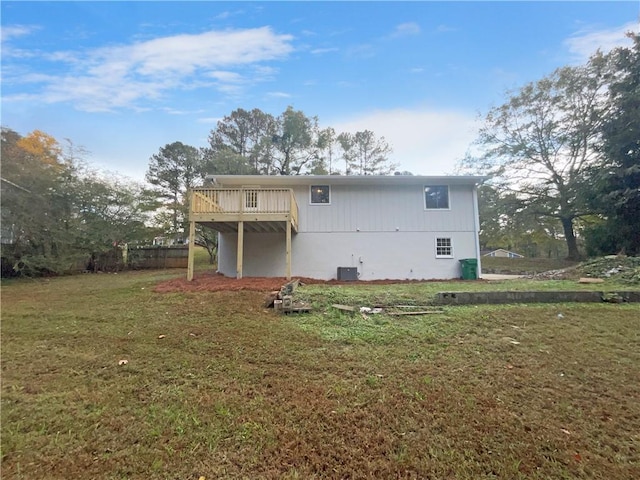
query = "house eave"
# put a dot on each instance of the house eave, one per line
(293, 180)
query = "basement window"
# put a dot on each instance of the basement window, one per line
(320, 195)
(436, 197)
(444, 248)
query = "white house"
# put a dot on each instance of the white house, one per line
(501, 252)
(382, 227)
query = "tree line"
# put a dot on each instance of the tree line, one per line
(59, 215)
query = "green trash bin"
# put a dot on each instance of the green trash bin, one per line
(469, 268)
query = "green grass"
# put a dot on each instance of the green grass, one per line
(524, 266)
(234, 390)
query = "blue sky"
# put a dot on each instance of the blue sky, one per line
(123, 79)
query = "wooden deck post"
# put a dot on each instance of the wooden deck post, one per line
(240, 249)
(192, 246)
(288, 270)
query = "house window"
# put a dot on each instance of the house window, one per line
(320, 194)
(444, 248)
(250, 199)
(436, 197)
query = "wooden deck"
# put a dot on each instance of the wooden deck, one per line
(246, 209)
(262, 209)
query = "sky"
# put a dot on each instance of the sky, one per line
(123, 79)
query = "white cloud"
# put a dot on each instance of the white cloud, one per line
(279, 95)
(186, 53)
(228, 14)
(445, 29)
(211, 120)
(424, 141)
(318, 51)
(364, 50)
(586, 42)
(406, 29)
(226, 76)
(175, 111)
(114, 77)
(11, 31)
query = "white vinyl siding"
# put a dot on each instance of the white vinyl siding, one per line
(384, 208)
(376, 255)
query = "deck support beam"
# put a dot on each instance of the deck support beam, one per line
(288, 252)
(240, 249)
(192, 245)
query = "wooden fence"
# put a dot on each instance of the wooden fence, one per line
(139, 258)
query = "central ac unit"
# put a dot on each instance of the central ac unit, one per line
(347, 274)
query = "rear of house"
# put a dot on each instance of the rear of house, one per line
(376, 227)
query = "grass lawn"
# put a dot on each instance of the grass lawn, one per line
(233, 390)
(524, 265)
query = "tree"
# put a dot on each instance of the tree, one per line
(110, 212)
(61, 215)
(327, 154)
(365, 154)
(617, 183)
(31, 170)
(208, 239)
(42, 146)
(295, 142)
(238, 143)
(508, 222)
(543, 140)
(254, 142)
(174, 170)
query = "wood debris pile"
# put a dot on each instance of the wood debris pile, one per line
(282, 300)
(392, 310)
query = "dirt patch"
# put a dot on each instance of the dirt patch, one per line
(215, 282)
(212, 282)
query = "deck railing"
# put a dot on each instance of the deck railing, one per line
(236, 201)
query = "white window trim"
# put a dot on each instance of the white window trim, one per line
(436, 247)
(424, 199)
(310, 196)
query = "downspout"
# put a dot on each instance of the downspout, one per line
(476, 226)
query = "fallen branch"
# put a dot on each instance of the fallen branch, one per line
(423, 312)
(344, 308)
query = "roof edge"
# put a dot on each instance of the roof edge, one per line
(345, 179)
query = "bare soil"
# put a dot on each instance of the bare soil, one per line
(215, 282)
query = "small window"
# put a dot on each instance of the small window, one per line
(250, 199)
(320, 194)
(444, 248)
(436, 197)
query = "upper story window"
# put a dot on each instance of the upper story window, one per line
(320, 194)
(436, 197)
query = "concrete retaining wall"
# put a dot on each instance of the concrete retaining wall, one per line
(473, 298)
